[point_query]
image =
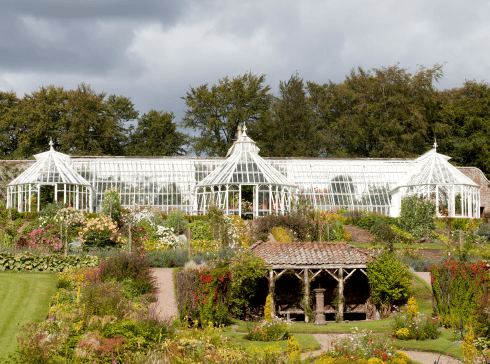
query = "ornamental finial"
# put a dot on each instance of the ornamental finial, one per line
(435, 144)
(244, 128)
(51, 144)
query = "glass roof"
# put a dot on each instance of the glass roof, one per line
(245, 166)
(51, 167)
(433, 168)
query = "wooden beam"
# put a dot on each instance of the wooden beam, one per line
(280, 274)
(346, 278)
(363, 271)
(314, 275)
(332, 274)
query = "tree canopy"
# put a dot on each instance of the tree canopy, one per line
(216, 111)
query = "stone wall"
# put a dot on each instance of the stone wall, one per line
(9, 170)
(479, 178)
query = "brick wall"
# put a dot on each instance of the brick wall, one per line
(479, 178)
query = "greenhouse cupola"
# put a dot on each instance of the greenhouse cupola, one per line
(432, 177)
(245, 184)
(51, 178)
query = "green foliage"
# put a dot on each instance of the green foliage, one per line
(247, 270)
(383, 231)
(200, 230)
(390, 281)
(420, 327)
(417, 216)
(459, 224)
(217, 111)
(45, 263)
(111, 205)
(157, 135)
(131, 269)
(457, 288)
(138, 334)
(50, 210)
(103, 299)
(176, 220)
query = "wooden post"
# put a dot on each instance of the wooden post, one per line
(271, 292)
(130, 239)
(307, 292)
(460, 242)
(341, 295)
(328, 231)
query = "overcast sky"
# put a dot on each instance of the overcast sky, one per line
(153, 50)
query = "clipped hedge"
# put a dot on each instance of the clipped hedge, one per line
(457, 288)
(44, 262)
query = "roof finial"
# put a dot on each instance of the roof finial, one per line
(435, 144)
(244, 128)
(51, 143)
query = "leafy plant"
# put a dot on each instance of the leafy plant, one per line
(176, 221)
(111, 205)
(417, 216)
(99, 232)
(200, 230)
(103, 299)
(390, 281)
(408, 324)
(131, 269)
(248, 271)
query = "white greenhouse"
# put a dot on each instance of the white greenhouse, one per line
(53, 170)
(246, 184)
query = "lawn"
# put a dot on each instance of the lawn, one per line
(24, 298)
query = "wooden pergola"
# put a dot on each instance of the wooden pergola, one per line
(307, 260)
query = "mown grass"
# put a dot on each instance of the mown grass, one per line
(306, 342)
(24, 298)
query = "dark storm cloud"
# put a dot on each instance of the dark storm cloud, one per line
(78, 36)
(163, 10)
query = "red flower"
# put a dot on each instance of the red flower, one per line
(385, 357)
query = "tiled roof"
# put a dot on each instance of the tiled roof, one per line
(310, 253)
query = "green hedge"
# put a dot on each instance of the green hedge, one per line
(456, 288)
(45, 263)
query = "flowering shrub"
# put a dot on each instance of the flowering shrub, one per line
(100, 232)
(410, 325)
(146, 232)
(364, 347)
(211, 295)
(457, 288)
(45, 238)
(272, 330)
(70, 217)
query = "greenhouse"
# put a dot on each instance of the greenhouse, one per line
(51, 177)
(246, 184)
(433, 177)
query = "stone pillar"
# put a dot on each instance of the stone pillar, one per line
(320, 306)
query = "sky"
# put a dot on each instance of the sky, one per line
(153, 51)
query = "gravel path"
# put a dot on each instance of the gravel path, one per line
(325, 341)
(166, 303)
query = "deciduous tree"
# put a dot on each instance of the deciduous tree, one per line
(216, 111)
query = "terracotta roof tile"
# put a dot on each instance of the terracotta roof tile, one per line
(310, 253)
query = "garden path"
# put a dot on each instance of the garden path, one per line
(166, 302)
(424, 357)
(425, 276)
